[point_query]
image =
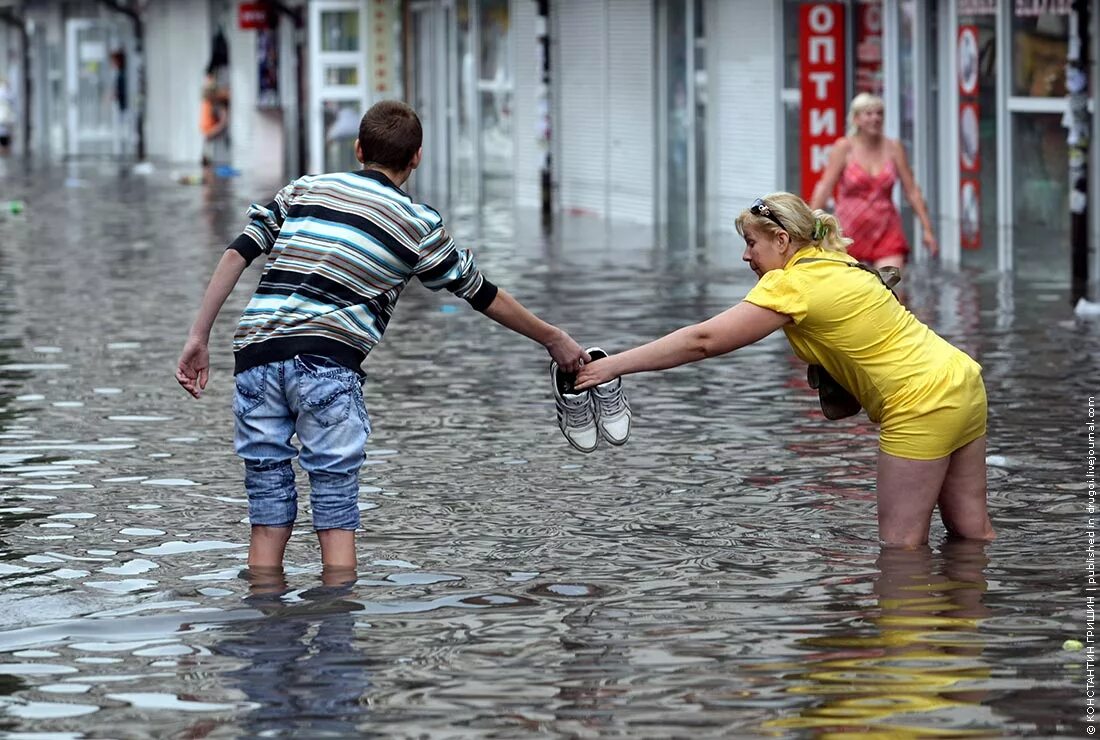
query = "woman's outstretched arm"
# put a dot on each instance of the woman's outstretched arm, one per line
(736, 327)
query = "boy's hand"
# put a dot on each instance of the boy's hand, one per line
(567, 353)
(193, 369)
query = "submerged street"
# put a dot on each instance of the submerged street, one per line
(718, 576)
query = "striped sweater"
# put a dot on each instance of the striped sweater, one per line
(340, 248)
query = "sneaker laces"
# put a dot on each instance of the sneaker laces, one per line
(612, 400)
(576, 411)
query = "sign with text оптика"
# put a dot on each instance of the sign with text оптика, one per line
(821, 66)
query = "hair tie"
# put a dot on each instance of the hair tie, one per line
(819, 230)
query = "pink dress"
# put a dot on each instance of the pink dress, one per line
(865, 209)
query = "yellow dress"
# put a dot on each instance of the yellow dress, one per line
(927, 394)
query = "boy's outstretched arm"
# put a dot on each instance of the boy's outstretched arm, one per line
(510, 313)
(193, 369)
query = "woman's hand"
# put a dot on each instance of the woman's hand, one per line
(930, 242)
(595, 373)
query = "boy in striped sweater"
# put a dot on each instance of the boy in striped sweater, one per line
(338, 248)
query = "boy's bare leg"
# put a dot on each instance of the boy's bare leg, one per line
(266, 547)
(337, 575)
(337, 548)
(264, 581)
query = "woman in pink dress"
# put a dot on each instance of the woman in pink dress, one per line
(863, 167)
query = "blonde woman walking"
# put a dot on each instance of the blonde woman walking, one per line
(863, 167)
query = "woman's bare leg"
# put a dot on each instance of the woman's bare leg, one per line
(962, 497)
(907, 494)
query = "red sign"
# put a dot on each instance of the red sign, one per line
(251, 15)
(821, 65)
(869, 47)
(970, 161)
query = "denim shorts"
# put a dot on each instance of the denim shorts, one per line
(322, 403)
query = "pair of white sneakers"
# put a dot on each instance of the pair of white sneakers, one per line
(586, 416)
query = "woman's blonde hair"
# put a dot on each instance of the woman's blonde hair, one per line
(805, 227)
(862, 102)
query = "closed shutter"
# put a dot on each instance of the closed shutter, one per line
(175, 31)
(631, 94)
(527, 74)
(744, 128)
(580, 104)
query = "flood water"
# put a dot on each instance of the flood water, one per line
(719, 576)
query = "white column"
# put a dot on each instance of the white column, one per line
(527, 81)
(950, 246)
(1004, 63)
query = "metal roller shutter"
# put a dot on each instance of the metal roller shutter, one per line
(631, 94)
(580, 105)
(744, 127)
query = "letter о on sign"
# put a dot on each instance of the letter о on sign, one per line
(822, 19)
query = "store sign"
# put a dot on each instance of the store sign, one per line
(251, 16)
(869, 47)
(821, 64)
(1033, 8)
(970, 215)
(383, 55)
(977, 7)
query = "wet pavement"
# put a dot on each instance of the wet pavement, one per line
(719, 576)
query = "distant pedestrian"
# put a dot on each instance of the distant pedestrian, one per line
(867, 350)
(214, 123)
(7, 117)
(863, 167)
(339, 249)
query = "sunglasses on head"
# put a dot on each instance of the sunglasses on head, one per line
(762, 209)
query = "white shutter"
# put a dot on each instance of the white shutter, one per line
(580, 102)
(743, 130)
(178, 30)
(631, 95)
(526, 75)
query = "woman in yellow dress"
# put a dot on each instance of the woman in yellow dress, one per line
(927, 395)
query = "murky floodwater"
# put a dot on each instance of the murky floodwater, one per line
(717, 577)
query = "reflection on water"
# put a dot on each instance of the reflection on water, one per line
(300, 670)
(718, 576)
(914, 669)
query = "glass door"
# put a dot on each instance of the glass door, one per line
(682, 128)
(92, 124)
(339, 76)
(431, 32)
(494, 85)
(1039, 154)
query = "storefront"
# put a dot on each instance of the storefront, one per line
(983, 130)
(355, 61)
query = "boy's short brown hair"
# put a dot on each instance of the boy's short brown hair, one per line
(390, 135)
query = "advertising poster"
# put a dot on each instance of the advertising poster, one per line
(970, 216)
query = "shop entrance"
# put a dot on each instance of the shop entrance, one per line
(681, 133)
(93, 124)
(338, 95)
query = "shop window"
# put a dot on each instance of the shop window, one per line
(342, 76)
(340, 30)
(1039, 58)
